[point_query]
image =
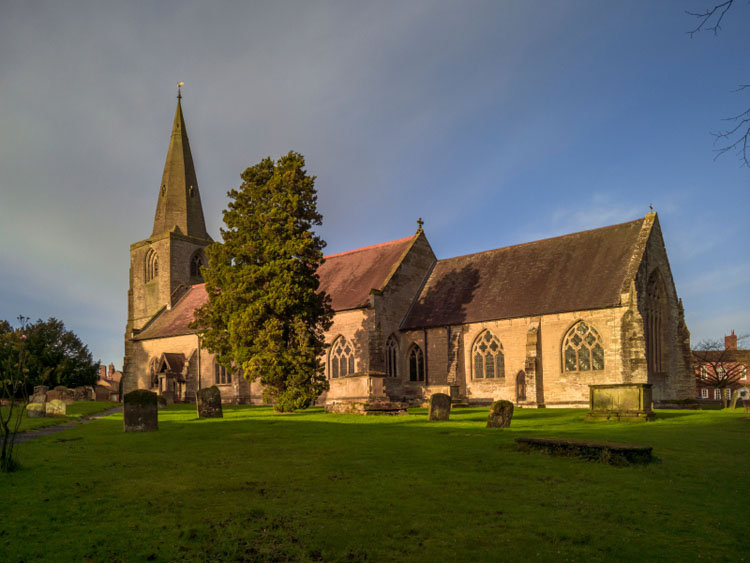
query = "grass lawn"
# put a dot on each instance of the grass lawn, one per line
(257, 486)
(76, 411)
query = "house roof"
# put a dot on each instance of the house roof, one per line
(348, 277)
(574, 272)
(175, 321)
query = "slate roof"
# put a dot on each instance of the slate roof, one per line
(349, 276)
(174, 321)
(573, 272)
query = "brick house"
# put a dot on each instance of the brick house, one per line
(731, 365)
(534, 323)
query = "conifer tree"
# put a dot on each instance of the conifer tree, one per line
(266, 314)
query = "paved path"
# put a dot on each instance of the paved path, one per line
(22, 437)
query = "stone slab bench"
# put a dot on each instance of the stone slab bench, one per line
(606, 452)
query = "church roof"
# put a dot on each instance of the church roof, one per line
(179, 201)
(573, 272)
(175, 321)
(349, 277)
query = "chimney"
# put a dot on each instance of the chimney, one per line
(730, 342)
(112, 368)
(102, 372)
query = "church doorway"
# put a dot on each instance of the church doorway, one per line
(521, 386)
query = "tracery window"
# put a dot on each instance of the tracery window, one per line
(487, 356)
(582, 348)
(656, 320)
(152, 265)
(222, 375)
(416, 364)
(341, 359)
(391, 357)
(196, 262)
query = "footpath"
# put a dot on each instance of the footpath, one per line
(22, 437)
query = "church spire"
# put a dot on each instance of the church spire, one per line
(179, 206)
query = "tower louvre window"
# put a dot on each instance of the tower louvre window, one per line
(152, 265)
(196, 263)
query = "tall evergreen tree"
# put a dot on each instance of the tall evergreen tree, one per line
(266, 313)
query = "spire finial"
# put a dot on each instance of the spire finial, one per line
(651, 207)
(179, 92)
(420, 223)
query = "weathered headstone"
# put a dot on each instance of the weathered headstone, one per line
(208, 402)
(501, 413)
(735, 396)
(66, 395)
(40, 389)
(162, 402)
(38, 398)
(35, 410)
(52, 395)
(140, 413)
(56, 407)
(168, 396)
(440, 407)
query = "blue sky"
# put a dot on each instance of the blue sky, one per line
(497, 122)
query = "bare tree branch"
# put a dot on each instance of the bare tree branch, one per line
(705, 17)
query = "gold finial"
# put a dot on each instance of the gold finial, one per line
(420, 223)
(179, 92)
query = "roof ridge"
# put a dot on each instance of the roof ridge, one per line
(540, 240)
(370, 247)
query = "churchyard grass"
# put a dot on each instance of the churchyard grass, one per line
(74, 412)
(259, 486)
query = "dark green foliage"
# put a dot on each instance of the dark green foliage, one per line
(13, 388)
(55, 356)
(266, 313)
(140, 397)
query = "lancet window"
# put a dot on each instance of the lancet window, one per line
(582, 348)
(152, 265)
(487, 357)
(341, 358)
(391, 357)
(656, 321)
(416, 364)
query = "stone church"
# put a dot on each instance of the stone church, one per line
(534, 323)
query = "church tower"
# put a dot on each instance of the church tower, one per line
(166, 264)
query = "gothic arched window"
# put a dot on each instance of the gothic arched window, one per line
(341, 358)
(196, 262)
(152, 265)
(391, 357)
(656, 321)
(582, 348)
(416, 364)
(154, 377)
(487, 357)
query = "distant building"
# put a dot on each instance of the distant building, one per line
(108, 384)
(535, 323)
(730, 364)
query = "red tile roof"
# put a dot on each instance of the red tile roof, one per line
(348, 277)
(573, 272)
(174, 321)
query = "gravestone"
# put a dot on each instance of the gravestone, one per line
(161, 402)
(52, 395)
(208, 402)
(38, 398)
(168, 396)
(35, 410)
(66, 395)
(56, 407)
(501, 413)
(40, 389)
(140, 413)
(440, 407)
(623, 402)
